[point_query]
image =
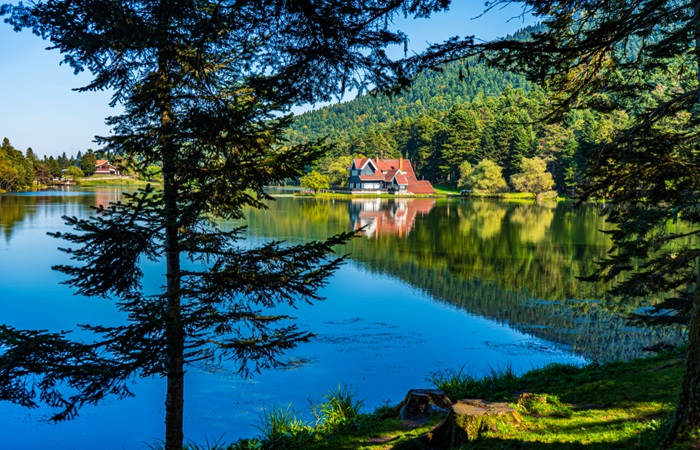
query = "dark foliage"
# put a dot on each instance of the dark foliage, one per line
(204, 86)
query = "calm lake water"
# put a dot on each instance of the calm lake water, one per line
(432, 285)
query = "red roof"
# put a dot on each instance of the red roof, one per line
(399, 169)
(360, 162)
(377, 176)
(100, 162)
(386, 169)
(401, 179)
(420, 187)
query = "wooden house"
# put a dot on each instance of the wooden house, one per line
(103, 167)
(394, 176)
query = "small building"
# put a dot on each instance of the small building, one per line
(394, 176)
(103, 167)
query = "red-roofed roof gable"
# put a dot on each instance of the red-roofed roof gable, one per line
(361, 162)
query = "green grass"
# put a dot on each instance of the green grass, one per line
(446, 189)
(110, 181)
(611, 406)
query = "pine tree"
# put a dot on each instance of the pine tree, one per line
(639, 63)
(88, 163)
(463, 131)
(202, 85)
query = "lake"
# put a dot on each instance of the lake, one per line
(432, 284)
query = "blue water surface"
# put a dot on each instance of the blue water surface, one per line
(375, 333)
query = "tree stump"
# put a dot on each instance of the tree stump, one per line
(419, 404)
(467, 420)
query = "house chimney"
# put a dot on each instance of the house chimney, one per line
(400, 163)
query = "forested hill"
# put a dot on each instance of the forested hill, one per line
(467, 124)
(431, 92)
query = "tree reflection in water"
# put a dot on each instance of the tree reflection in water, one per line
(511, 262)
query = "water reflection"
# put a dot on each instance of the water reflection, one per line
(387, 217)
(514, 263)
(20, 210)
(369, 331)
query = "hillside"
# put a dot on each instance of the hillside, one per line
(431, 92)
(467, 125)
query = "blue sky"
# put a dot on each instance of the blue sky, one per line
(38, 108)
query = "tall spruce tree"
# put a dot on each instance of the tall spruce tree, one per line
(202, 84)
(462, 133)
(639, 59)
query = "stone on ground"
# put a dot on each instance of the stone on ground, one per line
(419, 404)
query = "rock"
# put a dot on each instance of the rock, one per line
(528, 399)
(467, 420)
(419, 404)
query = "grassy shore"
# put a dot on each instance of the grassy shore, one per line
(619, 405)
(110, 181)
(521, 197)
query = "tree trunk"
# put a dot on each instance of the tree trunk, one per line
(174, 399)
(174, 335)
(686, 418)
(696, 32)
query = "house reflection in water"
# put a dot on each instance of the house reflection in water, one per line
(106, 195)
(391, 217)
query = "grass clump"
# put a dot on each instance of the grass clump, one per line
(497, 384)
(340, 410)
(284, 428)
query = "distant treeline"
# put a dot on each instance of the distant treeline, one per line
(20, 172)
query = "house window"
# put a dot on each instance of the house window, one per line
(353, 172)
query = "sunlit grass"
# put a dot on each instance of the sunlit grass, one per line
(108, 181)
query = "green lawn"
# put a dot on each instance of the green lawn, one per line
(110, 181)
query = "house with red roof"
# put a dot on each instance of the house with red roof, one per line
(103, 167)
(394, 176)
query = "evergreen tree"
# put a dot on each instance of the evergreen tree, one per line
(54, 168)
(63, 161)
(462, 133)
(31, 156)
(646, 161)
(202, 85)
(421, 147)
(88, 163)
